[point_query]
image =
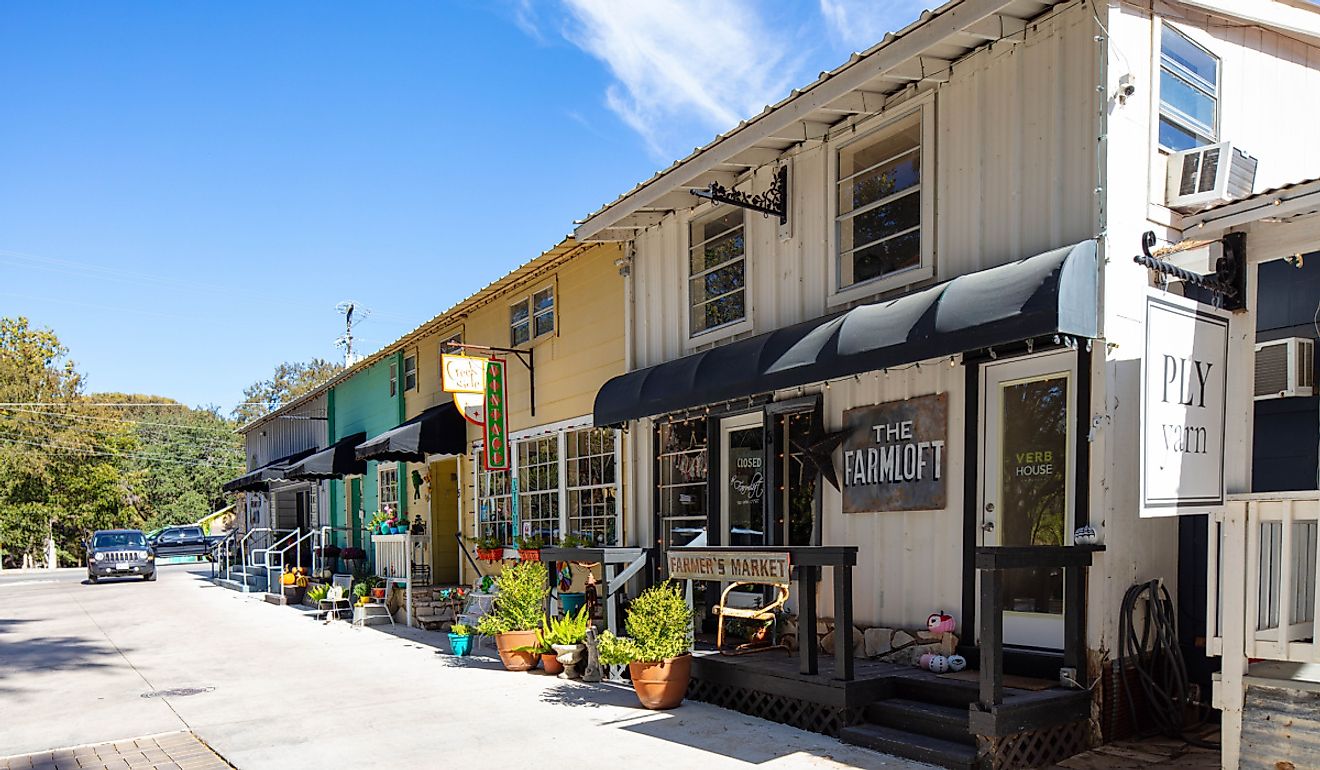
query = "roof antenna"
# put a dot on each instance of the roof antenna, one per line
(349, 309)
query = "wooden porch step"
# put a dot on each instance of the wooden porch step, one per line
(933, 689)
(900, 743)
(948, 723)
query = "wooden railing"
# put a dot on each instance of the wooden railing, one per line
(1262, 572)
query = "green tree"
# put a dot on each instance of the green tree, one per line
(289, 381)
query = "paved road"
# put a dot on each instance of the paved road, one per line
(269, 688)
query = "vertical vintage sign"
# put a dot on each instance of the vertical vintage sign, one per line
(1183, 399)
(495, 453)
(893, 458)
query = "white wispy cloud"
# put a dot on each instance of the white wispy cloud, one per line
(860, 24)
(679, 61)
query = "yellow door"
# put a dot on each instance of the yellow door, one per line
(444, 521)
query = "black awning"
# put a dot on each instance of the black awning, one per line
(259, 480)
(335, 462)
(1051, 293)
(440, 430)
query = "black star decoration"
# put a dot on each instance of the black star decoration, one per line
(818, 451)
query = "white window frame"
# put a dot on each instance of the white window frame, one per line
(394, 379)
(381, 470)
(561, 430)
(732, 328)
(925, 269)
(480, 478)
(406, 373)
(1158, 67)
(528, 301)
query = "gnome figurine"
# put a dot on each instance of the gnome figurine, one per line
(593, 672)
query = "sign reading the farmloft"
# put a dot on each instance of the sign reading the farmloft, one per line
(750, 566)
(1184, 386)
(893, 459)
(462, 374)
(495, 452)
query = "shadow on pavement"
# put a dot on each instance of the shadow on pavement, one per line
(54, 653)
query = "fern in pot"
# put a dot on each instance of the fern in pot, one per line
(658, 647)
(516, 613)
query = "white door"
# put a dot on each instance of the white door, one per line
(742, 479)
(1028, 408)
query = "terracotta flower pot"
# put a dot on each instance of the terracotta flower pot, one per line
(378, 593)
(661, 685)
(529, 554)
(550, 662)
(490, 554)
(514, 659)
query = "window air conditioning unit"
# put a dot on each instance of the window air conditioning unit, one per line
(1285, 368)
(1203, 176)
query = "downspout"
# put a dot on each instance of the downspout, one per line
(628, 471)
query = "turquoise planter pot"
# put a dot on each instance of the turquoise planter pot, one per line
(572, 602)
(461, 644)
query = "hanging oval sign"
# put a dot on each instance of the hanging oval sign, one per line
(472, 406)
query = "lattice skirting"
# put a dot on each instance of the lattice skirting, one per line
(816, 717)
(1035, 748)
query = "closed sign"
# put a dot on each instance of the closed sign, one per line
(1183, 397)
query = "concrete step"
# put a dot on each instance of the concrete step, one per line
(233, 585)
(923, 748)
(947, 723)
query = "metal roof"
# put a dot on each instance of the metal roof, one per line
(923, 52)
(1277, 203)
(549, 259)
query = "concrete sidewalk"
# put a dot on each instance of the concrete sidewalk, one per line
(267, 687)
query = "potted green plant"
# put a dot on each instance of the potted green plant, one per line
(529, 548)
(515, 614)
(403, 524)
(658, 647)
(460, 639)
(489, 548)
(561, 638)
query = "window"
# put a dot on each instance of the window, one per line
(532, 317)
(538, 487)
(1189, 92)
(592, 483)
(717, 270)
(681, 468)
(394, 380)
(410, 373)
(880, 202)
(451, 345)
(495, 506)
(388, 486)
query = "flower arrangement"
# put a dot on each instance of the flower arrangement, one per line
(529, 548)
(352, 553)
(489, 547)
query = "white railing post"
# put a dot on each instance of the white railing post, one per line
(1238, 591)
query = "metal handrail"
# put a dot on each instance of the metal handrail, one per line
(309, 536)
(276, 547)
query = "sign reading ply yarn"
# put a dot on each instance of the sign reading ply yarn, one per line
(495, 453)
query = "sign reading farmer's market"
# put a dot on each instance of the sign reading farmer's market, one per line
(495, 452)
(747, 566)
(893, 458)
(1183, 398)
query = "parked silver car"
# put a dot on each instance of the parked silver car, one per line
(120, 553)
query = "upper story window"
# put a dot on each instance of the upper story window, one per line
(881, 203)
(452, 345)
(388, 486)
(394, 380)
(532, 317)
(410, 373)
(717, 277)
(1189, 92)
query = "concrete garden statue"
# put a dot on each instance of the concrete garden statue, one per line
(516, 614)
(658, 647)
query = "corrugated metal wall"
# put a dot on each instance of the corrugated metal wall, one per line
(1281, 728)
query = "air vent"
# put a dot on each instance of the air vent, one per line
(1205, 176)
(1285, 368)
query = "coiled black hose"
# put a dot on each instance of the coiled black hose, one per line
(1153, 653)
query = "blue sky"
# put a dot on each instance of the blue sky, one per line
(188, 189)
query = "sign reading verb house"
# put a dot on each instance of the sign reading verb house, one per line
(893, 459)
(1183, 397)
(748, 566)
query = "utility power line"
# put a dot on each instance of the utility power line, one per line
(97, 418)
(93, 453)
(175, 442)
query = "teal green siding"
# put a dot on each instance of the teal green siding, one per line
(363, 403)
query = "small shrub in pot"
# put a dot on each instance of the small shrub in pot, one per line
(516, 614)
(658, 647)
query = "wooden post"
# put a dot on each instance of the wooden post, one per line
(807, 652)
(991, 616)
(843, 622)
(1074, 620)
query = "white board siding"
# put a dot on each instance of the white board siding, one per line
(280, 437)
(1014, 175)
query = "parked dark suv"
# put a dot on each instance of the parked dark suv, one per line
(120, 553)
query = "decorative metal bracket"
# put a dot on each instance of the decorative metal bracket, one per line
(1229, 281)
(772, 202)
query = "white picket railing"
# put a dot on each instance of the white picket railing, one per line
(1262, 564)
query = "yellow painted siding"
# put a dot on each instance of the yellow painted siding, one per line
(586, 349)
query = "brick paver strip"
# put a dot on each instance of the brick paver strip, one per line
(168, 751)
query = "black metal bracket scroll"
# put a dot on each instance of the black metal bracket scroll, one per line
(1228, 282)
(525, 356)
(772, 202)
